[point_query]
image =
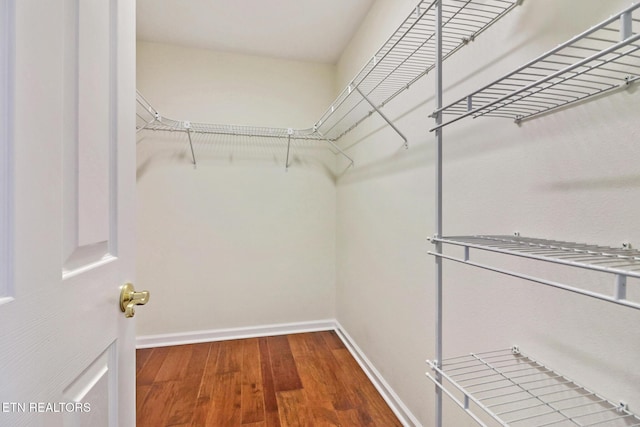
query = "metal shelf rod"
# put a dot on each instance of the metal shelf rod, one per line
(406, 143)
(606, 421)
(193, 155)
(543, 281)
(540, 258)
(438, 231)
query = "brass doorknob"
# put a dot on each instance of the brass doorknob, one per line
(129, 298)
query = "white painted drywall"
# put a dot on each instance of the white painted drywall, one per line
(237, 241)
(572, 175)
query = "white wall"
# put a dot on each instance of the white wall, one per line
(571, 175)
(236, 241)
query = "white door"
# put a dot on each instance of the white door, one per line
(67, 184)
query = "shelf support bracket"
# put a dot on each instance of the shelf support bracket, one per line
(621, 287)
(187, 126)
(330, 142)
(626, 26)
(289, 132)
(141, 128)
(406, 143)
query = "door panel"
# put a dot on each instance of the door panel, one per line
(5, 156)
(98, 383)
(95, 127)
(63, 338)
(89, 134)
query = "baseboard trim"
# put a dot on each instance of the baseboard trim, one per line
(164, 340)
(393, 400)
(388, 394)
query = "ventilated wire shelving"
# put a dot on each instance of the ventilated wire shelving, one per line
(515, 390)
(406, 56)
(620, 262)
(603, 58)
(148, 118)
(508, 388)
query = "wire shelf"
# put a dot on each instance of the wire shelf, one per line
(620, 262)
(602, 258)
(145, 113)
(516, 390)
(406, 56)
(149, 118)
(603, 58)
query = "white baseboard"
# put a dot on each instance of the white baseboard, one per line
(164, 340)
(393, 400)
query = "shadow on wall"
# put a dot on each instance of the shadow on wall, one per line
(401, 161)
(172, 148)
(576, 352)
(605, 183)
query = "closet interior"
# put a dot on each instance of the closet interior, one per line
(507, 386)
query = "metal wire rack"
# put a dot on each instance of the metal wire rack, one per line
(621, 262)
(603, 58)
(148, 118)
(516, 390)
(406, 56)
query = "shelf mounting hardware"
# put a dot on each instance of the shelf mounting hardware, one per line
(621, 287)
(330, 142)
(289, 133)
(187, 126)
(626, 25)
(406, 143)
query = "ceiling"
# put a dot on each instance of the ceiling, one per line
(308, 30)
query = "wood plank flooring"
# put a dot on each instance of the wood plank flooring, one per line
(301, 380)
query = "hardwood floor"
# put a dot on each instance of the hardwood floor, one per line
(306, 380)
